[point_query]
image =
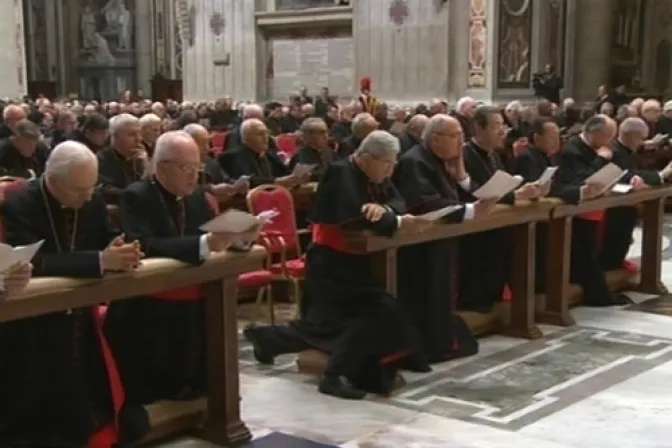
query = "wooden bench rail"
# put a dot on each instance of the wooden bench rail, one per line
(303, 195)
(221, 420)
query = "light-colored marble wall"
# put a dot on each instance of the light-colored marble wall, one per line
(201, 77)
(407, 60)
(13, 81)
(144, 45)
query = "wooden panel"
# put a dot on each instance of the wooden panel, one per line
(203, 79)
(403, 46)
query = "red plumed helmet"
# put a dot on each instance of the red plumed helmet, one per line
(365, 83)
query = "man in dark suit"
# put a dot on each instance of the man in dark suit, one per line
(158, 340)
(235, 138)
(23, 154)
(362, 125)
(412, 135)
(125, 160)
(57, 392)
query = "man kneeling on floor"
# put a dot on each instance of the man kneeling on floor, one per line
(345, 311)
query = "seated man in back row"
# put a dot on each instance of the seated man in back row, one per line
(346, 312)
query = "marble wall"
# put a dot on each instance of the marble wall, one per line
(403, 45)
(13, 81)
(220, 58)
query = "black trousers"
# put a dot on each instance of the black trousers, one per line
(586, 268)
(620, 223)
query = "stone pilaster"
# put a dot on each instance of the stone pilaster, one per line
(13, 80)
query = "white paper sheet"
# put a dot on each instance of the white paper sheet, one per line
(231, 221)
(621, 188)
(302, 169)
(241, 180)
(608, 175)
(13, 257)
(440, 213)
(547, 175)
(500, 184)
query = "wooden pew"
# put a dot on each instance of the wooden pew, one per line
(516, 321)
(561, 295)
(219, 415)
(303, 197)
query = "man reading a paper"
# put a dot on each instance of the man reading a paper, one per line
(315, 151)
(431, 176)
(158, 340)
(58, 386)
(255, 160)
(621, 221)
(347, 313)
(485, 257)
(581, 165)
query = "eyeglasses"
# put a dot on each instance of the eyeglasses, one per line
(188, 168)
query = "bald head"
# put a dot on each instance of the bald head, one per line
(254, 135)
(71, 172)
(177, 161)
(651, 111)
(416, 125)
(253, 111)
(200, 136)
(443, 136)
(12, 114)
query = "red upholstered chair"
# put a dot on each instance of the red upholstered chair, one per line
(218, 142)
(280, 236)
(287, 144)
(261, 280)
(9, 186)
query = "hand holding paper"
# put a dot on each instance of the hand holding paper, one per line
(13, 258)
(302, 170)
(547, 175)
(607, 176)
(499, 185)
(440, 213)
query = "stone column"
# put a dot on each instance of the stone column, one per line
(144, 43)
(13, 82)
(592, 46)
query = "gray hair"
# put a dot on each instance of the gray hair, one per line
(596, 123)
(26, 129)
(194, 128)
(64, 116)
(436, 124)
(11, 109)
(514, 105)
(121, 121)
(379, 143)
(166, 143)
(67, 155)
(463, 102)
(417, 123)
(247, 125)
(252, 111)
(310, 124)
(359, 120)
(634, 125)
(148, 119)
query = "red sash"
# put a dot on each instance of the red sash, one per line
(188, 293)
(595, 215)
(330, 236)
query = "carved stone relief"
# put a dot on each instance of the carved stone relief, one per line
(478, 40)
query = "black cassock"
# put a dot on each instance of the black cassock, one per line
(212, 173)
(576, 162)
(310, 156)
(346, 311)
(54, 389)
(243, 161)
(531, 165)
(428, 272)
(115, 172)
(621, 221)
(13, 163)
(349, 146)
(484, 257)
(159, 341)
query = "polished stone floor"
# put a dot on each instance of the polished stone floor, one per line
(604, 383)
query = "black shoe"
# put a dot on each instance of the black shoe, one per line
(250, 333)
(339, 386)
(133, 424)
(616, 299)
(414, 363)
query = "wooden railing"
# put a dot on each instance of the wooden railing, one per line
(303, 195)
(219, 415)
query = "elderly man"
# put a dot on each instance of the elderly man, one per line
(66, 123)
(57, 392)
(621, 221)
(125, 160)
(235, 139)
(93, 132)
(347, 313)
(464, 113)
(582, 157)
(315, 149)
(254, 158)
(11, 114)
(150, 129)
(158, 340)
(481, 288)
(23, 154)
(212, 177)
(413, 134)
(362, 125)
(431, 176)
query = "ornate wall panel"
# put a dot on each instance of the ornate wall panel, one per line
(478, 43)
(403, 45)
(217, 43)
(627, 42)
(160, 31)
(37, 40)
(556, 20)
(514, 45)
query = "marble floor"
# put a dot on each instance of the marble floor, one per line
(600, 384)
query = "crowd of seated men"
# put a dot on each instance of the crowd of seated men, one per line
(160, 176)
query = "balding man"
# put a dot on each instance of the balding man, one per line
(125, 160)
(362, 125)
(582, 157)
(158, 340)
(255, 159)
(65, 123)
(464, 112)
(23, 155)
(413, 134)
(57, 392)
(11, 114)
(430, 176)
(235, 138)
(315, 149)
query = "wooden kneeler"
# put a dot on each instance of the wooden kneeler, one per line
(314, 362)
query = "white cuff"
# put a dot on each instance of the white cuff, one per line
(203, 248)
(469, 212)
(100, 263)
(398, 221)
(465, 184)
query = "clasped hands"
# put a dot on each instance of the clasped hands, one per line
(121, 256)
(407, 223)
